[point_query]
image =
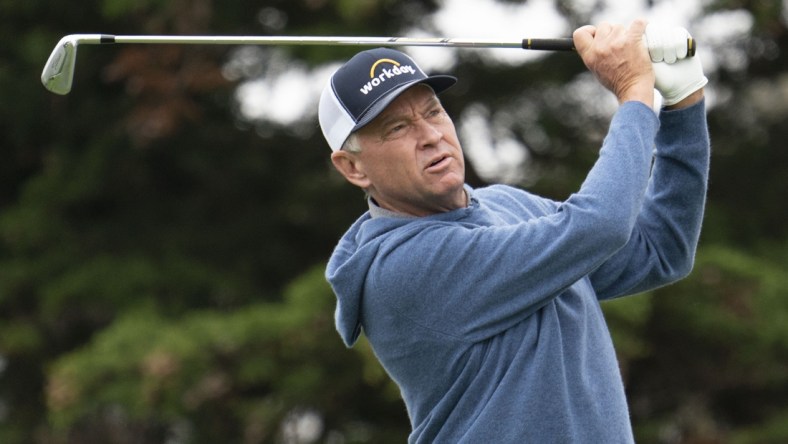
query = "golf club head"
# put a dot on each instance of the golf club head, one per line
(58, 73)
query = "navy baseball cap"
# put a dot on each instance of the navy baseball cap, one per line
(363, 87)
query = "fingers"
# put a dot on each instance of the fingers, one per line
(637, 29)
(605, 34)
(604, 29)
(583, 38)
(666, 44)
(617, 57)
(680, 38)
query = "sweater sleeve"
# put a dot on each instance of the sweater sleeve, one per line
(662, 246)
(474, 281)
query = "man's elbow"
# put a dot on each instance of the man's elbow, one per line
(679, 267)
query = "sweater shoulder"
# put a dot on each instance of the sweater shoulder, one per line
(511, 199)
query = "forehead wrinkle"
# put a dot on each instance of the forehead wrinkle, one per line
(400, 112)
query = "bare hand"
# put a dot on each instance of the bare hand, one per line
(619, 59)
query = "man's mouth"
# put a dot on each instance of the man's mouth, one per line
(437, 161)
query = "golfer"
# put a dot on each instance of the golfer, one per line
(483, 304)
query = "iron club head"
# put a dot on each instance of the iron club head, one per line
(58, 73)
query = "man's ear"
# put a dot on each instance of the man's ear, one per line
(349, 165)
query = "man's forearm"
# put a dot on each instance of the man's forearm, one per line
(663, 244)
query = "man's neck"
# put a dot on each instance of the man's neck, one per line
(375, 210)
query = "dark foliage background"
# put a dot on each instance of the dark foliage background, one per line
(161, 256)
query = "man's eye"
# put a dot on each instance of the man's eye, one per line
(396, 129)
(435, 113)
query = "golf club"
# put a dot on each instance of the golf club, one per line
(58, 74)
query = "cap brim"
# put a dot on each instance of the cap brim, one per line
(438, 83)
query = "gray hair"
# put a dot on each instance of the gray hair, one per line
(352, 144)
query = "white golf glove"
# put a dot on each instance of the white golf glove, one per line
(677, 76)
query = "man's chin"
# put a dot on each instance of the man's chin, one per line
(453, 192)
(453, 181)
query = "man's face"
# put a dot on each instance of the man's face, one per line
(411, 160)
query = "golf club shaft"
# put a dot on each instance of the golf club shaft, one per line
(59, 70)
(560, 44)
(544, 44)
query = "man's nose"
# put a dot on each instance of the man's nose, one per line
(429, 134)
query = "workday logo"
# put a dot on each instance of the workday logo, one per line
(382, 70)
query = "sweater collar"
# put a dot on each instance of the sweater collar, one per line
(376, 211)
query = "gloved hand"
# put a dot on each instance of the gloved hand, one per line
(677, 76)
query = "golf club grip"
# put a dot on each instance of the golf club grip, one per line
(567, 44)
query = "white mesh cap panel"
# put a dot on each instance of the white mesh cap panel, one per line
(335, 122)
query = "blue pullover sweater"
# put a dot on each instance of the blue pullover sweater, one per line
(488, 317)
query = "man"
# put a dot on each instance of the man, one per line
(483, 304)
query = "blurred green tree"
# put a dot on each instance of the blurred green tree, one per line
(161, 257)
